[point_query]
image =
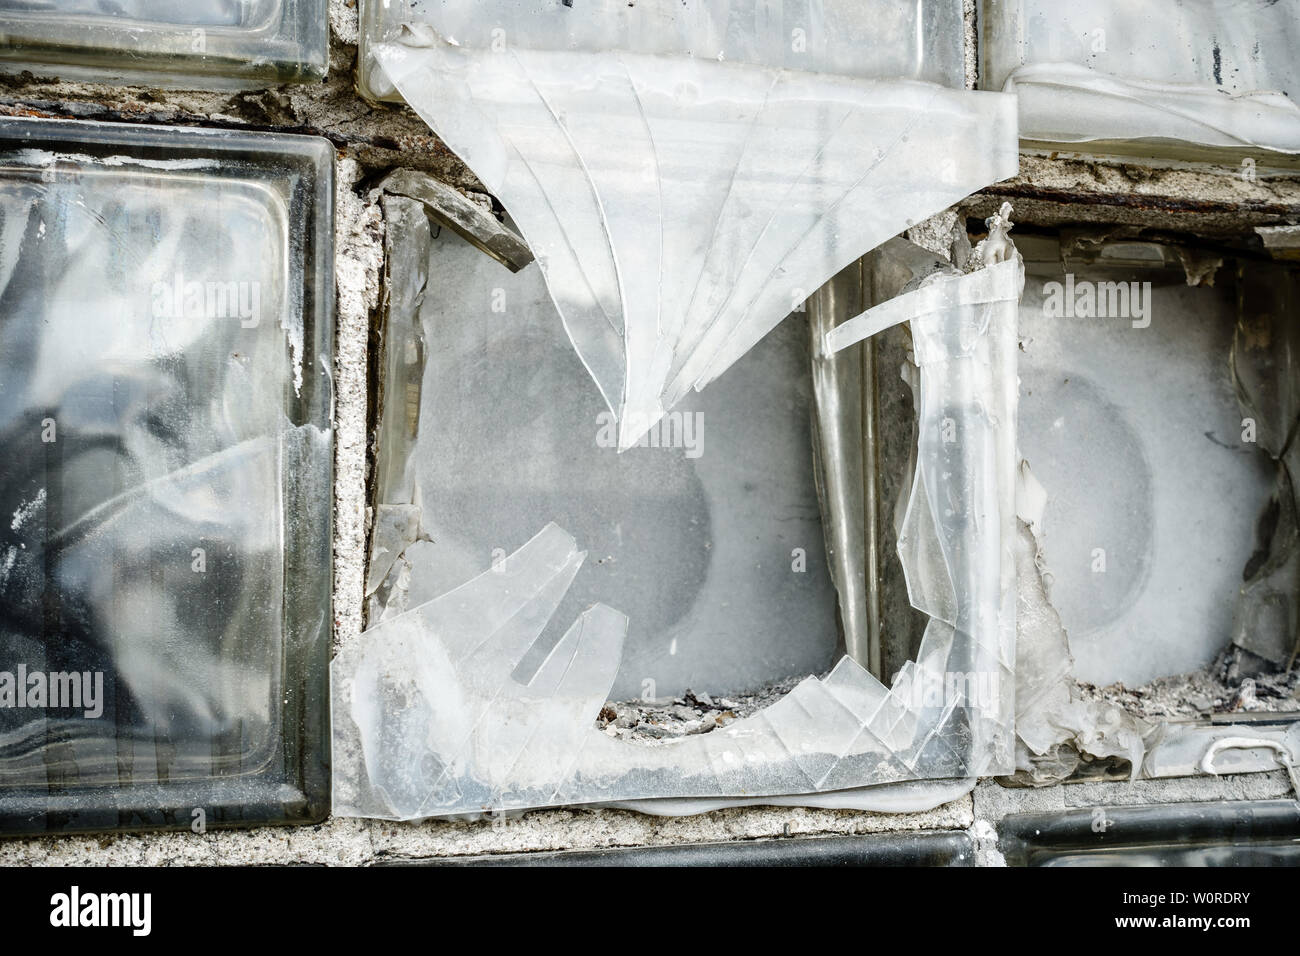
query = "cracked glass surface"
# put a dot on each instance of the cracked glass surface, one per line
(457, 706)
(165, 330)
(1218, 73)
(681, 206)
(228, 43)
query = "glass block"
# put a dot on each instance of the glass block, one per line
(1156, 409)
(1166, 78)
(166, 327)
(235, 43)
(490, 414)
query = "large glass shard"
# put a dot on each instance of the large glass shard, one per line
(461, 706)
(165, 335)
(681, 206)
(197, 42)
(1154, 74)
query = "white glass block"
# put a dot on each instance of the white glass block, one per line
(162, 42)
(1154, 73)
(166, 323)
(680, 206)
(1130, 420)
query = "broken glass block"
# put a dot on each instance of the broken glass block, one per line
(166, 323)
(686, 175)
(707, 535)
(1162, 77)
(1155, 384)
(161, 42)
(495, 647)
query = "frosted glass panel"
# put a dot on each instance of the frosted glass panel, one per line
(1131, 422)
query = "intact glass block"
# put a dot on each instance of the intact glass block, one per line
(161, 42)
(166, 320)
(1164, 78)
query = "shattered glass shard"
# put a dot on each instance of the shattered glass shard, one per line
(680, 207)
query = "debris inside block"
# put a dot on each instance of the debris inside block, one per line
(1202, 693)
(655, 721)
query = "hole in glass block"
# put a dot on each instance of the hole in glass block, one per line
(164, 317)
(483, 684)
(707, 536)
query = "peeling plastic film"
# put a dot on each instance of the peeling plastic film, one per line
(1220, 73)
(681, 206)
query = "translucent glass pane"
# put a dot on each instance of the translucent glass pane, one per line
(463, 703)
(1130, 420)
(707, 536)
(225, 13)
(681, 205)
(166, 484)
(859, 38)
(195, 43)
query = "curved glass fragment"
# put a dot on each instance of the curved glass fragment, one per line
(681, 206)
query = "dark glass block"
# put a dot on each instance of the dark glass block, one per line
(166, 329)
